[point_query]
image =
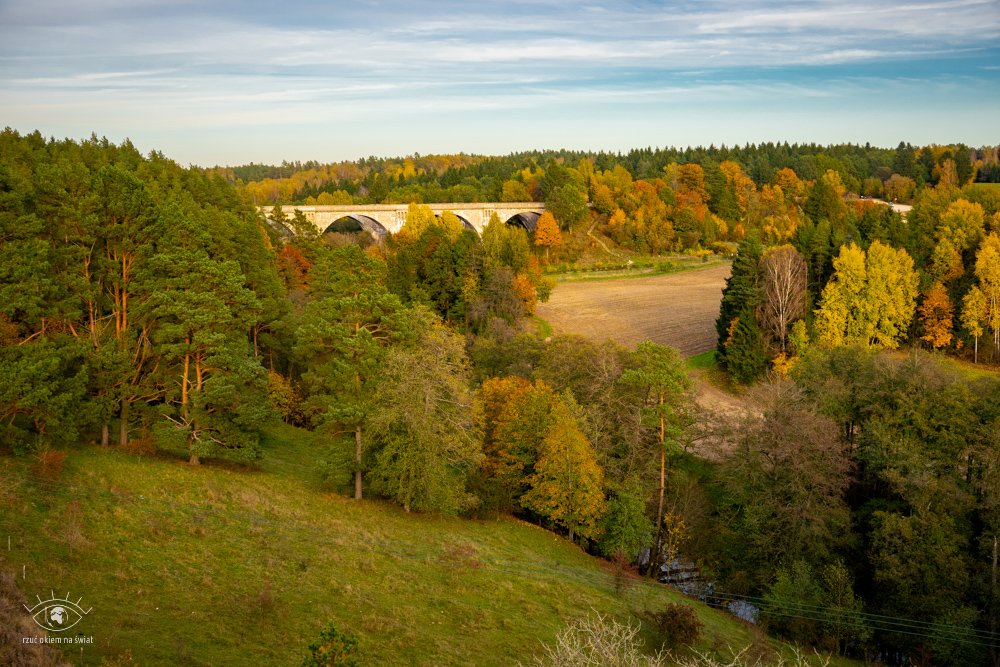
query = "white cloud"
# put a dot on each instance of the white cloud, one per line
(155, 65)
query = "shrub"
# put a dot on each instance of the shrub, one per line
(679, 623)
(599, 640)
(333, 648)
(622, 572)
(49, 464)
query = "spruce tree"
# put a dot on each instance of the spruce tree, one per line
(742, 291)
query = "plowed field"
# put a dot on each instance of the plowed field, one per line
(677, 309)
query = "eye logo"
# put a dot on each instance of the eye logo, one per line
(57, 614)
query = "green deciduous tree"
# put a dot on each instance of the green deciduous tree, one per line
(786, 473)
(423, 426)
(505, 245)
(568, 204)
(626, 528)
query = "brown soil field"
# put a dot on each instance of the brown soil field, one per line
(677, 309)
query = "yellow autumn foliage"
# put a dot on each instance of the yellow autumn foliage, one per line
(871, 298)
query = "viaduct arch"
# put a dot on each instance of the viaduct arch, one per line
(380, 219)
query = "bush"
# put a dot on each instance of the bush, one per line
(49, 464)
(664, 266)
(599, 640)
(332, 649)
(679, 623)
(622, 572)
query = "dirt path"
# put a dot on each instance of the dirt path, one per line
(676, 309)
(712, 398)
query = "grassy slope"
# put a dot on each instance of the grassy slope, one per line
(178, 591)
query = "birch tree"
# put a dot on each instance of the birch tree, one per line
(988, 273)
(871, 298)
(973, 314)
(783, 273)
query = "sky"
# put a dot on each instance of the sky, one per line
(230, 82)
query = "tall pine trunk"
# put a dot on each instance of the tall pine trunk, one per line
(357, 461)
(104, 435)
(123, 424)
(994, 657)
(655, 560)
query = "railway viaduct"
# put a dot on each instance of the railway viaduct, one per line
(380, 219)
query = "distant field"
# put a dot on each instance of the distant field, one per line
(675, 309)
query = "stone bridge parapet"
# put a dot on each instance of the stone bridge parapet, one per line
(382, 218)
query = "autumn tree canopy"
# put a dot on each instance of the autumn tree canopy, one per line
(870, 300)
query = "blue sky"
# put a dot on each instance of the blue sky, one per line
(234, 82)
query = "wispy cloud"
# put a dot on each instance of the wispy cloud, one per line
(155, 65)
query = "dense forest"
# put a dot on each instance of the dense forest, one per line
(147, 302)
(650, 201)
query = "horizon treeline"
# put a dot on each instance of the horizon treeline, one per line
(467, 178)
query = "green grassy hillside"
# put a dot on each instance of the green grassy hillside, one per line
(241, 581)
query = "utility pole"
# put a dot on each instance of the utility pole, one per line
(993, 607)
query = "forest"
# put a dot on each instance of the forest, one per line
(147, 302)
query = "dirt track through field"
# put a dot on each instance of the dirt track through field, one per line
(677, 309)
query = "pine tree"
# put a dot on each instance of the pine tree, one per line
(658, 369)
(343, 339)
(203, 314)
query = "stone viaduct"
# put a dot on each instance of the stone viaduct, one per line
(380, 219)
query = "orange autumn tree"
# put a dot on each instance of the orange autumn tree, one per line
(789, 182)
(567, 486)
(513, 416)
(525, 291)
(936, 312)
(293, 267)
(547, 233)
(536, 457)
(742, 186)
